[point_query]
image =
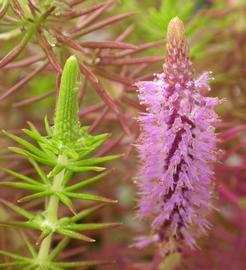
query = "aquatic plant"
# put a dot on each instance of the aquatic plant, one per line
(116, 47)
(66, 149)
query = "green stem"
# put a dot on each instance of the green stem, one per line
(51, 214)
(51, 217)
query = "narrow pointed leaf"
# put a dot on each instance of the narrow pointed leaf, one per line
(13, 256)
(58, 249)
(91, 139)
(23, 186)
(3, 265)
(17, 209)
(43, 235)
(35, 196)
(102, 24)
(93, 147)
(47, 126)
(80, 12)
(101, 137)
(21, 176)
(107, 45)
(89, 197)
(35, 136)
(67, 177)
(26, 144)
(75, 235)
(64, 199)
(27, 36)
(33, 128)
(57, 169)
(84, 168)
(87, 182)
(29, 245)
(27, 154)
(71, 154)
(84, 153)
(33, 100)
(94, 161)
(28, 225)
(92, 226)
(49, 148)
(85, 213)
(40, 171)
(17, 50)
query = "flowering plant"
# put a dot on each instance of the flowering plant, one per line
(66, 149)
(177, 147)
(115, 48)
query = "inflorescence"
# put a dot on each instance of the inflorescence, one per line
(176, 147)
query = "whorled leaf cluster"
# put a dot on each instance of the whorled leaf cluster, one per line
(65, 150)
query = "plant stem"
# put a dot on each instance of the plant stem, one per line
(51, 214)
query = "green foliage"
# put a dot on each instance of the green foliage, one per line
(66, 149)
(157, 21)
(66, 128)
(152, 20)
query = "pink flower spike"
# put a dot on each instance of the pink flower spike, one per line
(176, 147)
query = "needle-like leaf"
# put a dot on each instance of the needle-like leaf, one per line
(34, 135)
(89, 197)
(34, 188)
(92, 226)
(87, 182)
(47, 126)
(14, 256)
(35, 196)
(85, 213)
(74, 168)
(25, 144)
(40, 171)
(94, 161)
(17, 209)
(21, 176)
(75, 235)
(65, 200)
(57, 250)
(102, 24)
(9, 264)
(27, 154)
(28, 225)
(29, 245)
